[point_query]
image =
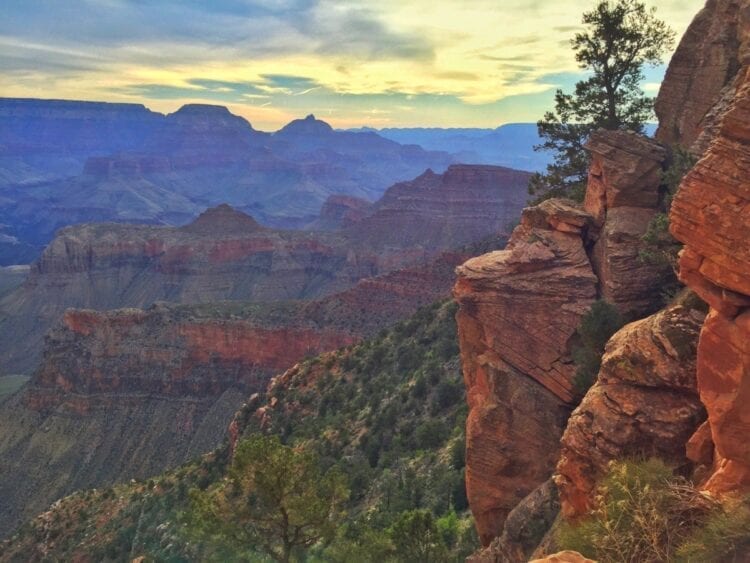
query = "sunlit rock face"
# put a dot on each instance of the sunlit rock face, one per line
(623, 196)
(700, 80)
(645, 402)
(520, 308)
(710, 215)
(466, 203)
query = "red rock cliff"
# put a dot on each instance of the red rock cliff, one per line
(711, 215)
(520, 308)
(644, 402)
(95, 356)
(701, 73)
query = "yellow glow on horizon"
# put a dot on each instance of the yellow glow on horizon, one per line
(482, 52)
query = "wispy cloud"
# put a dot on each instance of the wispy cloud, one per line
(454, 62)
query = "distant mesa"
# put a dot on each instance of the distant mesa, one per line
(308, 126)
(202, 109)
(223, 219)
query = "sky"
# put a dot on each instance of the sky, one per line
(378, 63)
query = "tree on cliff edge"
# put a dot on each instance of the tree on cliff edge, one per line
(621, 37)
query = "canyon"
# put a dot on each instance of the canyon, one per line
(67, 162)
(254, 300)
(671, 383)
(225, 254)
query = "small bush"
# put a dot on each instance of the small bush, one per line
(659, 248)
(645, 513)
(596, 328)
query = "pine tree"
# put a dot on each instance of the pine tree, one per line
(620, 39)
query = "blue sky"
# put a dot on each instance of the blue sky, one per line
(383, 63)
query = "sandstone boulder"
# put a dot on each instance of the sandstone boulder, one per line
(645, 402)
(625, 171)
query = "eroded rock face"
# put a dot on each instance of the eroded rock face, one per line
(518, 310)
(710, 215)
(466, 203)
(130, 393)
(341, 211)
(625, 171)
(223, 254)
(94, 357)
(623, 196)
(701, 72)
(645, 402)
(524, 528)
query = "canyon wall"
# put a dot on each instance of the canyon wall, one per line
(520, 308)
(710, 216)
(662, 375)
(700, 79)
(224, 254)
(465, 204)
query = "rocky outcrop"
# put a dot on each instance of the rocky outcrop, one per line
(644, 402)
(465, 204)
(701, 73)
(519, 309)
(341, 212)
(95, 358)
(710, 216)
(524, 528)
(623, 196)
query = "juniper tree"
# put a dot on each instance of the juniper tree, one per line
(621, 37)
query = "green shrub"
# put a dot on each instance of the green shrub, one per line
(724, 536)
(659, 248)
(596, 328)
(416, 538)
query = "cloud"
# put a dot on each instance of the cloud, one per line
(450, 61)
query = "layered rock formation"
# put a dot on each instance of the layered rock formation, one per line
(129, 393)
(710, 215)
(147, 167)
(644, 403)
(520, 308)
(466, 203)
(623, 195)
(224, 254)
(95, 358)
(341, 212)
(700, 78)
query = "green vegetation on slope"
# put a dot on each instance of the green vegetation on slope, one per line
(387, 414)
(659, 247)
